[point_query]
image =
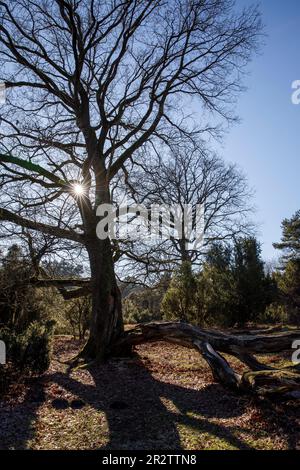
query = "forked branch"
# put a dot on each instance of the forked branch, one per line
(261, 380)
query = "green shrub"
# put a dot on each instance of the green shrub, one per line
(29, 351)
(179, 300)
(275, 313)
(133, 314)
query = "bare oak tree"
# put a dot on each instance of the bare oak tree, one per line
(91, 82)
(184, 176)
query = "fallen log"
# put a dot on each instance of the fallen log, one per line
(186, 334)
(262, 380)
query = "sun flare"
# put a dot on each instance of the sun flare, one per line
(78, 189)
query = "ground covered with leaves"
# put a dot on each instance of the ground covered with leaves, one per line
(163, 397)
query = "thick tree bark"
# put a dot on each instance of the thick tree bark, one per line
(261, 380)
(234, 344)
(106, 322)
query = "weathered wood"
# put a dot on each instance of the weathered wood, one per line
(280, 383)
(186, 334)
(262, 380)
(221, 369)
(58, 282)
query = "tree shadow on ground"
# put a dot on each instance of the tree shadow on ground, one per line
(284, 418)
(17, 422)
(145, 413)
(135, 405)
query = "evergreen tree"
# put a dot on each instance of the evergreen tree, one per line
(216, 293)
(290, 240)
(289, 279)
(17, 298)
(179, 300)
(250, 280)
(232, 287)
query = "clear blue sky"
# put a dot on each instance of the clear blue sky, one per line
(266, 143)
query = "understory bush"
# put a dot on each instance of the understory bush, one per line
(231, 288)
(275, 313)
(29, 351)
(133, 314)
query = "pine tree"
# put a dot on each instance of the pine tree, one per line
(250, 280)
(290, 240)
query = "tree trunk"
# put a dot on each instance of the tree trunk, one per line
(106, 322)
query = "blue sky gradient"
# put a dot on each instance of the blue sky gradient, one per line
(266, 143)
